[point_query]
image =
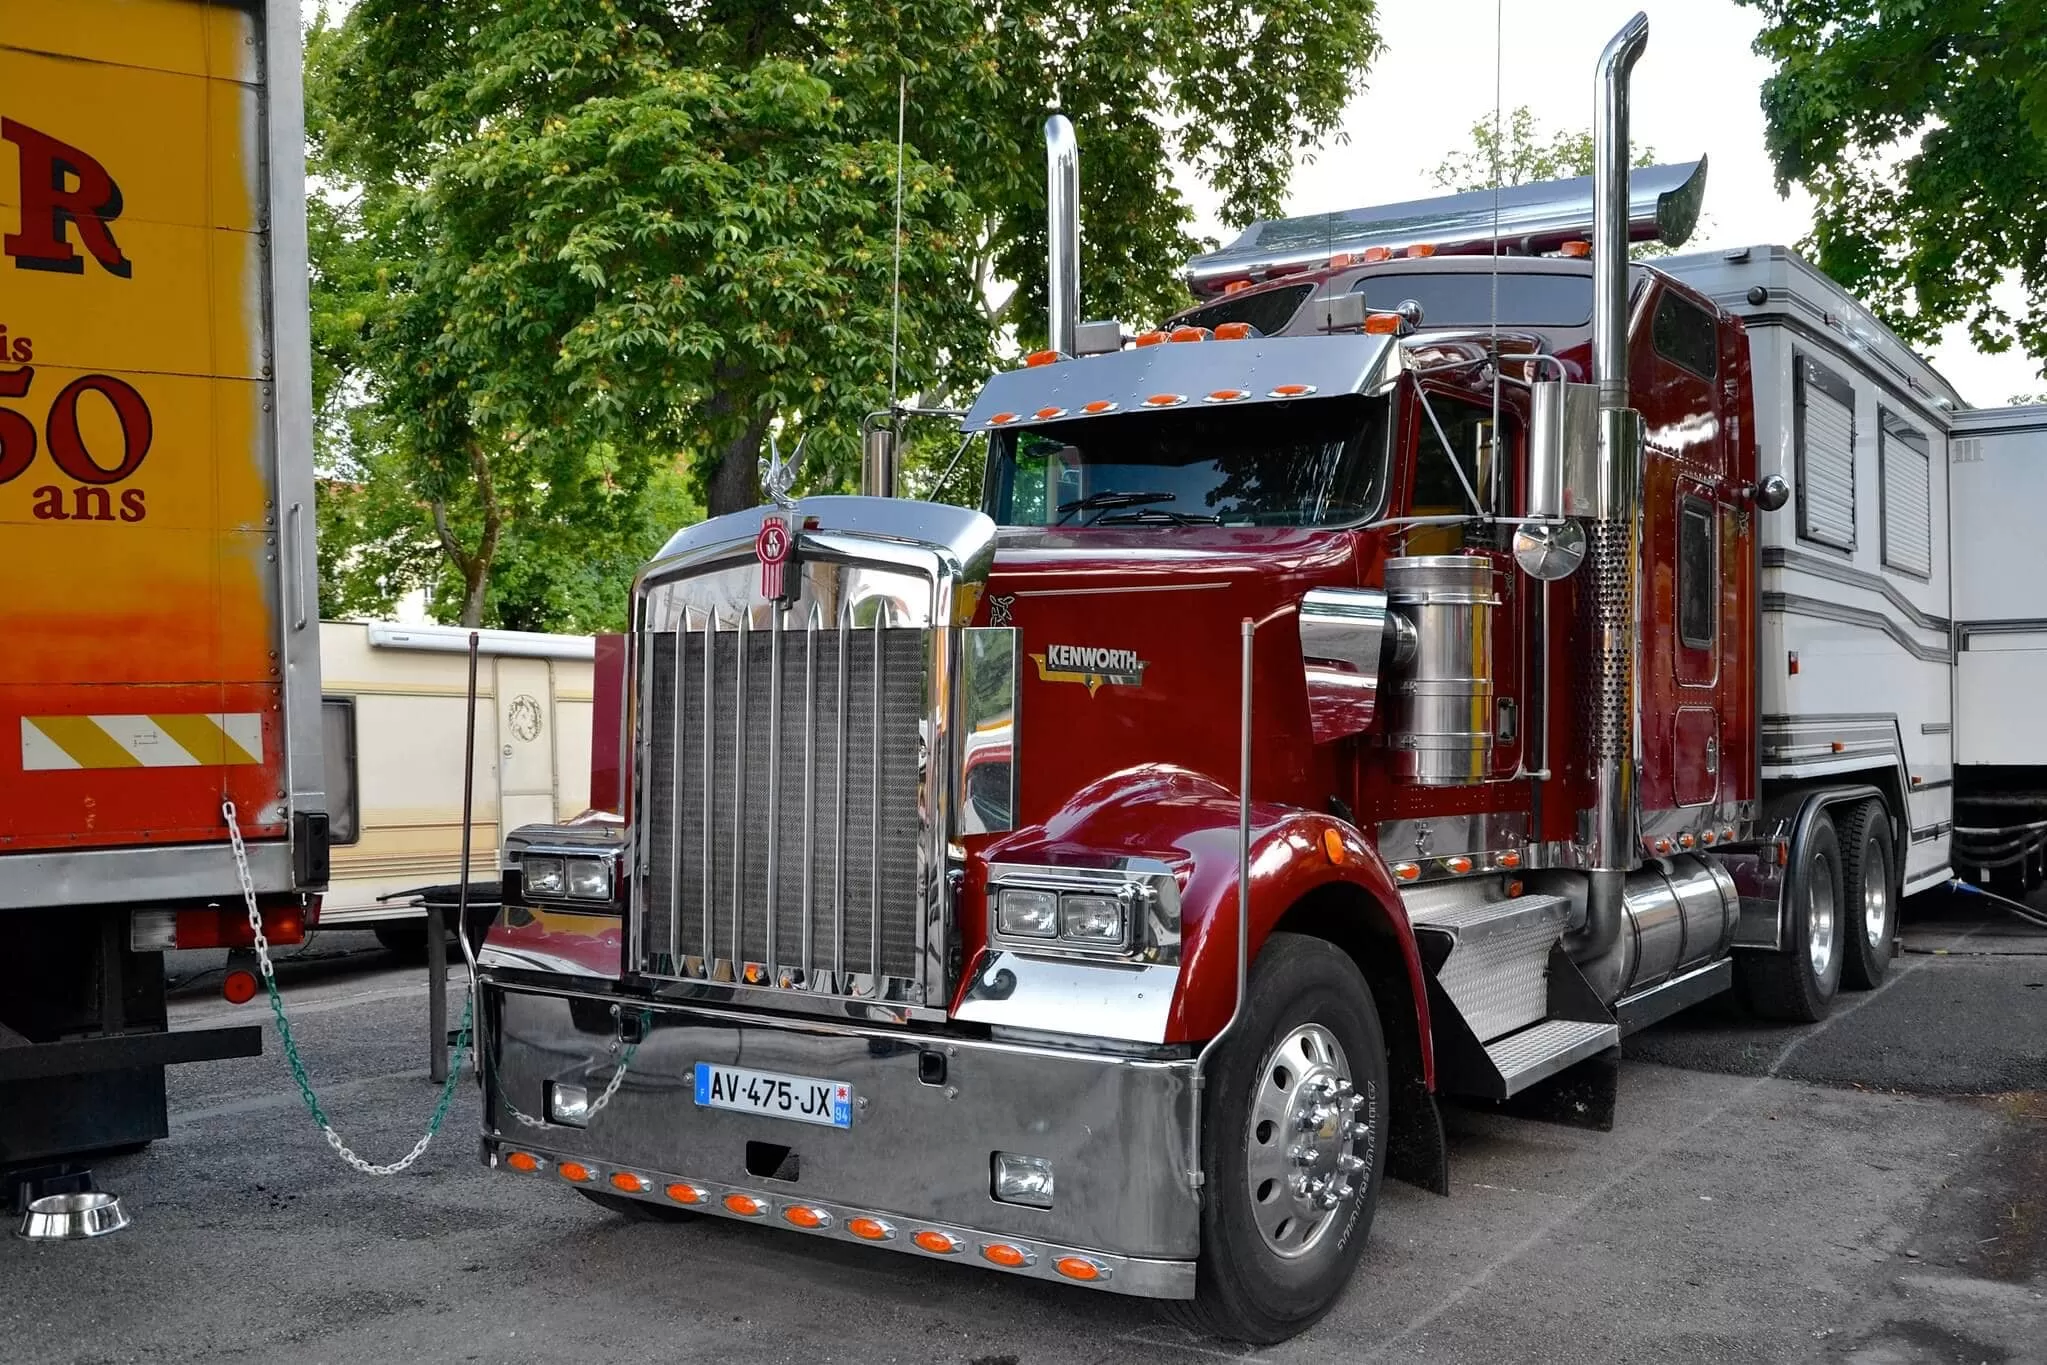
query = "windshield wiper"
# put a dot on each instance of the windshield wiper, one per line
(1110, 498)
(1159, 516)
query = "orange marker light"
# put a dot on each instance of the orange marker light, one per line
(1421, 249)
(1037, 358)
(682, 1192)
(522, 1161)
(1151, 338)
(870, 1229)
(1233, 331)
(1188, 334)
(1165, 400)
(938, 1243)
(1047, 414)
(1460, 864)
(804, 1216)
(1001, 419)
(1576, 250)
(1685, 841)
(630, 1183)
(1707, 837)
(1099, 406)
(1375, 254)
(1383, 324)
(1332, 845)
(1509, 860)
(1227, 395)
(1081, 1268)
(1290, 391)
(1342, 259)
(1002, 1253)
(1406, 872)
(574, 1170)
(1663, 845)
(1235, 285)
(745, 1205)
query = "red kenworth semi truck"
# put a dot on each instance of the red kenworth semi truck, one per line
(1342, 700)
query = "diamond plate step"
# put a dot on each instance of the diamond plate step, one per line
(1496, 973)
(1539, 1052)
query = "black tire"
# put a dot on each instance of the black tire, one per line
(1246, 1290)
(1869, 882)
(639, 1210)
(1786, 985)
(406, 937)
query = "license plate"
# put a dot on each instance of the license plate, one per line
(803, 1098)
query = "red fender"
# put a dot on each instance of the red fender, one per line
(1189, 822)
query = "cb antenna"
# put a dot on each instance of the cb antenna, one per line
(895, 327)
(1499, 63)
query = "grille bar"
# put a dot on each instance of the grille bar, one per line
(783, 810)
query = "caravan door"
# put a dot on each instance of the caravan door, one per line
(526, 743)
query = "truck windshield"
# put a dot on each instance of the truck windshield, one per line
(1316, 463)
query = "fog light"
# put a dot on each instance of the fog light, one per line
(543, 876)
(1091, 919)
(1028, 914)
(590, 879)
(1023, 1180)
(568, 1104)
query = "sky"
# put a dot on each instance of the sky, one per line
(1696, 91)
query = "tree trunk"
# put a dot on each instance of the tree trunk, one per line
(474, 565)
(736, 483)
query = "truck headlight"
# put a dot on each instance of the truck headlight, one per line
(1091, 919)
(543, 876)
(1022, 913)
(1025, 1180)
(590, 879)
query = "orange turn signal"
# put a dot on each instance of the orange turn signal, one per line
(1332, 845)
(1383, 324)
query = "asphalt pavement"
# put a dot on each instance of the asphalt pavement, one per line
(1871, 1190)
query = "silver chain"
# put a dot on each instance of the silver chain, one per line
(262, 945)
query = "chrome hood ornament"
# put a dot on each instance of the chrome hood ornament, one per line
(778, 475)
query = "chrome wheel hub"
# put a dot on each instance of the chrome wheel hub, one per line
(1307, 1148)
(1876, 903)
(1819, 902)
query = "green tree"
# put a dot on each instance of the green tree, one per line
(1525, 155)
(583, 240)
(1921, 132)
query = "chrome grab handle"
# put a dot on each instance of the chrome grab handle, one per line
(298, 569)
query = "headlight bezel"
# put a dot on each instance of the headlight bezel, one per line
(564, 874)
(1145, 894)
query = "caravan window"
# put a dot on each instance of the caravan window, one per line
(337, 734)
(1906, 470)
(1824, 413)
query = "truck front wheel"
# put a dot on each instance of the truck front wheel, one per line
(1293, 1143)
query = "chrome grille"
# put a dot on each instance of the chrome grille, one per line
(779, 808)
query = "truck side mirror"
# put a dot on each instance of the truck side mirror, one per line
(1563, 476)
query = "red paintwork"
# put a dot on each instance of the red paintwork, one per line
(1152, 769)
(607, 711)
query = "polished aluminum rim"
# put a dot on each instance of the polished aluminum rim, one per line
(1819, 911)
(1876, 902)
(1306, 1143)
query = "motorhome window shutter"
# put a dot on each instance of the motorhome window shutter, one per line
(1907, 472)
(1826, 456)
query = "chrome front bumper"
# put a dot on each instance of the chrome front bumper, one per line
(917, 1157)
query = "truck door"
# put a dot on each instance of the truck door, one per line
(526, 744)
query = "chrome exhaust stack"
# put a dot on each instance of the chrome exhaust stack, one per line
(1062, 234)
(1607, 592)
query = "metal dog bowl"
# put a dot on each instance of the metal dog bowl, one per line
(63, 1217)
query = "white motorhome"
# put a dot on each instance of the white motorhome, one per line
(392, 706)
(1912, 642)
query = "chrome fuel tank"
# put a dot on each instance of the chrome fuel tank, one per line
(1441, 715)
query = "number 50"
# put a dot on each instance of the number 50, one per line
(67, 443)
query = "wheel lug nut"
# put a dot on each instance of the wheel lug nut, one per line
(1299, 1186)
(1360, 1130)
(1348, 1163)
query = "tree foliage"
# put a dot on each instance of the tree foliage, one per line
(578, 246)
(1921, 131)
(1525, 156)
